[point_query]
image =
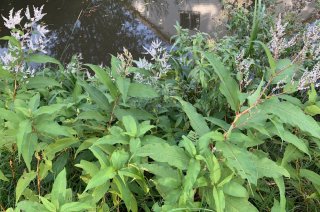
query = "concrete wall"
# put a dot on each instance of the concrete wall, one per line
(165, 13)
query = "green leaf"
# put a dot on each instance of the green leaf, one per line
(119, 158)
(59, 189)
(9, 116)
(280, 183)
(271, 60)
(123, 85)
(92, 115)
(102, 177)
(131, 125)
(96, 95)
(257, 16)
(254, 97)
(228, 86)
(142, 91)
(291, 153)
(3, 177)
(312, 110)
(235, 189)
(172, 155)
(285, 70)
(126, 195)
(49, 206)
(116, 64)
(56, 130)
(189, 181)
(34, 102)
(75, 206)
(27, 205)
(197, 121)
(50, 109)
(218, 122)
(134, 145)
(25, 128)
(312, 95)
(41, 58)
(29, 146)
(144, 127)
(58, 146)
(290, 138)
(4, 74)
(88, 167)
(12, 41)
(219, 199)
(268, 168)
(293, 115)
(310, 175)
(39, 82)
(248, 165)
(102, 75)
(189, 146)
(23, 183)
(236, 204)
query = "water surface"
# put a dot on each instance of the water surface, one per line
(94, 28)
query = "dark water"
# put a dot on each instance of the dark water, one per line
(95, 28)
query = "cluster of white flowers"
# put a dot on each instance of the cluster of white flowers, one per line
(279, 43)
(158, 68)
(310, 77)
(75, 64)
(243, 68)
(32, 35)
(311, 39)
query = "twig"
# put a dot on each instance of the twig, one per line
(112, 113)
(38, 173)
(258, 101)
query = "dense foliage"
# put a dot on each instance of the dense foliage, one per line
(213, 126)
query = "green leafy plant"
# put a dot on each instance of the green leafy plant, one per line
(205, 130)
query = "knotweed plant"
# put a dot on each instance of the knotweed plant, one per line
(279, 43)
(308, 54)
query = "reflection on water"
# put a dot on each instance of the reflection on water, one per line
(96, 28)
(203, 15)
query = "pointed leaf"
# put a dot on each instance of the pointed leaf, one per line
(142, 91)
(228, 86)
(59, 189)
(103, 76)
(101, 177)
(197, 121)
(172, 155)
(23, 183)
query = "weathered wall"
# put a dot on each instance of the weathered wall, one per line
(163, 14)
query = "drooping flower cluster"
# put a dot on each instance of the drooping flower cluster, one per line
(31, 35)
(279, 43)
(311, 39)
(310, 77)
(243, 68)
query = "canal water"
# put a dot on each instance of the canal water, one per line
(99, 28)
(94, 28)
